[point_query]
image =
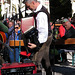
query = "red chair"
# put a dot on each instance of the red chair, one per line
(24, 53)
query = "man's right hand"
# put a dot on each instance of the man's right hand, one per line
(31, 45)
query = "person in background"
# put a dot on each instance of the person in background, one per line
(42, 24)
(18, 22)
(69, 33)
(10, 24)
(11, 37)
(62, 29)
(17, 37)
(6, 50)
(69, 29)
(6, 22)
(52, 26)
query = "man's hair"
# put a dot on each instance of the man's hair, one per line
(69, 22)
(10, 21)
(29, 1)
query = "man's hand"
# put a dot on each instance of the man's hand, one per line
(31, 45)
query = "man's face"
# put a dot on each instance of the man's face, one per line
(67, 25)
(31, 6)
(10, 24)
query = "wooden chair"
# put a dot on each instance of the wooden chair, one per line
(69, 41)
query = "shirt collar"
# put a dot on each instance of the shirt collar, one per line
(38, 8)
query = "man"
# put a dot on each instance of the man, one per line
(17, 35)
(68, 31)
(65, 30)
(41, 17)
(42, 21)
(10, 29)
(10, 24)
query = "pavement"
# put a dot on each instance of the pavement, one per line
(64, 68)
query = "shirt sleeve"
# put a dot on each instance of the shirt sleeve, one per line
(42, 27)
(10, 30)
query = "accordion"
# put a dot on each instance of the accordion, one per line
(27, 24)
(29, 31)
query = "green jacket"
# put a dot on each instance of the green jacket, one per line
(3, 27)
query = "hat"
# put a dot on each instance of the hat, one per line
(65, 20)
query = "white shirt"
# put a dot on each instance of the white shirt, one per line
(42, 25)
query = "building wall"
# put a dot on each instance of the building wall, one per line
(73, 6)
(13, 7)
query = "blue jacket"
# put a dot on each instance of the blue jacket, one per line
(11, 35)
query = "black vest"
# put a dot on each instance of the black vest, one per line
(43, 9)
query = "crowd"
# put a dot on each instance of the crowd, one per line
(45, 31)
(65, 31)
(14, 33)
